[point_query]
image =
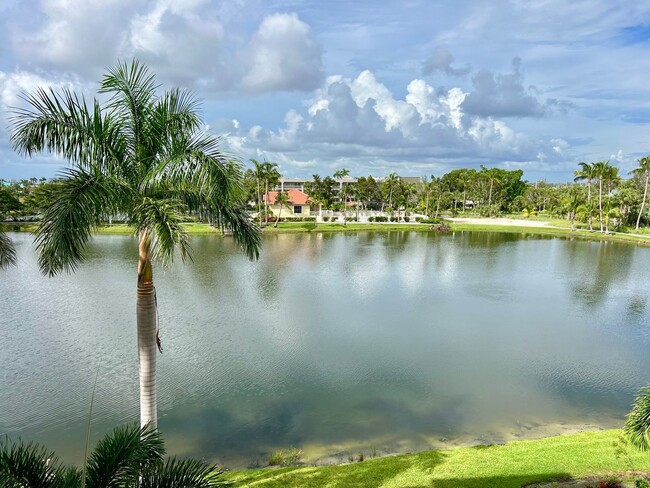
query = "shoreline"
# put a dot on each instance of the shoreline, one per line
(457, 224)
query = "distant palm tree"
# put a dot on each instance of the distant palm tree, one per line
(142, 155)
(7, 251)
(258, 171)
(644, 171)
(271, 177)
(585, 173)
(129, 457)
(282, 199)
(343, 193)
(601, 171)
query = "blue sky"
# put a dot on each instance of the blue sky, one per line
(415, 87)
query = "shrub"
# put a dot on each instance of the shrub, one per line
(393, 219)
(371, 219)
(326, 219)
(418, 219)
(285, 457)
(407, 219)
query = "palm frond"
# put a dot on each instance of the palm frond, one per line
(79, 204)
(188, 473)
(31, 465)
(244, 230)
(63, 124)
(637, 424)
(162, 219)
(7, 251)
(120, 457)
(176, 112)
(133, 88)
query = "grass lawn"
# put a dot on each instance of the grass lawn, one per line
(510, 465)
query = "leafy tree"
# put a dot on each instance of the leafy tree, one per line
(129, 457)
(644, 171)
(142, 155)
(9, 203)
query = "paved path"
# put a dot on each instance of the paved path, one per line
(503, 221)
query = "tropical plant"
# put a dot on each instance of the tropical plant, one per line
(283, 199)
(7, 251)
(271, 178)
(343, 192)
(142, 155)
(586, 172)
(637, 424)
(644, 171)
(130, 456)
(258, 172)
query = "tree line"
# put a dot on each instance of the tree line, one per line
(599, 195)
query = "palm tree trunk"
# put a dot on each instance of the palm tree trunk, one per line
(278, 219)
(146, 326)
(645, 194)
(259, 202)
(600, 203)
(589, 190)
(266, 201)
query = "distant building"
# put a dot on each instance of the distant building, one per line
(299, 203)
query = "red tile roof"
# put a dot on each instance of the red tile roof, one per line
(296, 197)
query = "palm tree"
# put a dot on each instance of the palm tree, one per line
(282, 199)
(258, 171)
(644, 171)
(271, 177)
(390, 184)
(140, 155)
(7, 251)
(129, 457)
(585, 173)
(343, 195)
(601, 170)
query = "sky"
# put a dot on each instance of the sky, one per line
(412, 86)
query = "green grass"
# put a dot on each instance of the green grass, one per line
(563, 229)
(510, 465)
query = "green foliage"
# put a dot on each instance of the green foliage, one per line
(7, 251)
(637, 424)
(129, 457)
(285, 457)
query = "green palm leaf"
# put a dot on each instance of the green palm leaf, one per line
(7, 251)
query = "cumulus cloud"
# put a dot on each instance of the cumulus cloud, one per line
(504, 95)
(441, 60)
(184, 42)
(361, 120)
(283, 56)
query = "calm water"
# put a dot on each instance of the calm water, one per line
(332, 343)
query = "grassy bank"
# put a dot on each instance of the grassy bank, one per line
(299, 227)
(510, 465)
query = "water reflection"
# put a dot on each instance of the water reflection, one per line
(332, 341)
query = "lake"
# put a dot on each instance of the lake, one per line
(333, 343)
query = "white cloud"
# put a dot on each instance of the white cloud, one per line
(361, 120)
(283, 56)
